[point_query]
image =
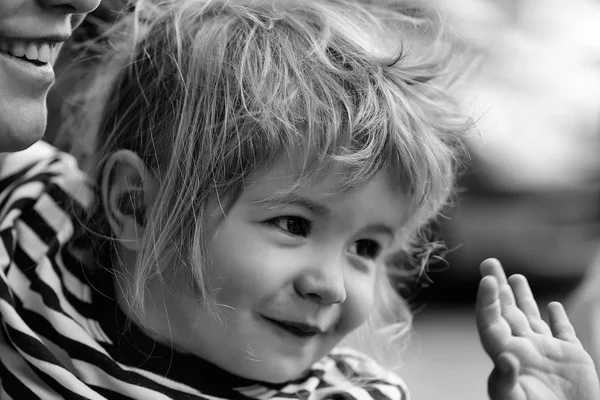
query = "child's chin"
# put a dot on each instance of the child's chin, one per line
(276, 372)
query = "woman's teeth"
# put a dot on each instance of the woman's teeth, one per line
(32, 51)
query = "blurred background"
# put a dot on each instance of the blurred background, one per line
(531, 195)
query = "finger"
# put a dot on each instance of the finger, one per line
(508, 365)
(492, 266)
(502, 383)
(559, 323)
(494, 331)
(524, 296)
(527, 304)
(487, 304)
(518, 322)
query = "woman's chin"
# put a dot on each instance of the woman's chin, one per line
(21, 124)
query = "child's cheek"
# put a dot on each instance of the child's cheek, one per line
(358, 305)
(243, 275)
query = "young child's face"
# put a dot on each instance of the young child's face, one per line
(291, 276)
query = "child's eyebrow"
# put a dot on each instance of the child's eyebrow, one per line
(382, 229)
(294, 199)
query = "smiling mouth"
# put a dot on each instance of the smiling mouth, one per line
(33, 52)
(34, 62)
(296, 329)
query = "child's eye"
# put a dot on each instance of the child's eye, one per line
(296, 226)
(366, 248)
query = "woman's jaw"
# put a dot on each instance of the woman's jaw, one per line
(26, 76)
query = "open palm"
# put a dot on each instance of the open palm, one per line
(533, 360)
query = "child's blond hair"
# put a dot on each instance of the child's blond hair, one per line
(209, 93)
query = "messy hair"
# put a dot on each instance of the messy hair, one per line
(209, 93)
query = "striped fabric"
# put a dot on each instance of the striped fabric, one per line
(63, 335)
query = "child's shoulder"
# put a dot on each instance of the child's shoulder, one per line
(363, 377)
(42, 193)
(35, 159)
(26, 159)
(344, 373)
(27, 176)
(46, 313)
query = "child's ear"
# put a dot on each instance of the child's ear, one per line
(125, 194)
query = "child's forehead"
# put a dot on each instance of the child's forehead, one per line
(293, 174)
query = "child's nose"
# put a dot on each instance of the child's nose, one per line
(324, 285)
(72, 6)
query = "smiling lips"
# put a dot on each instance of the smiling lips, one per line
(37, 52)
(298, 329)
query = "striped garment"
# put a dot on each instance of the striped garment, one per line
(63, 335)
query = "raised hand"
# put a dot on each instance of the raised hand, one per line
(533, 360)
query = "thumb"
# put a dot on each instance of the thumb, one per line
(502, 383)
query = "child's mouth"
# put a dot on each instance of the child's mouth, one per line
(294, 328)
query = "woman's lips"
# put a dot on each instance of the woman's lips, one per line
(28, 62)
(38, 52)
(32, 79)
